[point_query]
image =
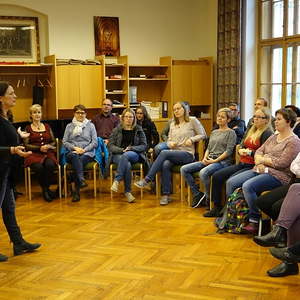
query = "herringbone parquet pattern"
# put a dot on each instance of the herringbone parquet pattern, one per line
(108, 249)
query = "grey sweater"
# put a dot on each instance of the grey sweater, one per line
(221, 141)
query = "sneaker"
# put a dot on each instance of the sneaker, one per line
(165, 200)
(142, 184)
(115, 186)
(213, 213)
(197, 199)
(129, 197)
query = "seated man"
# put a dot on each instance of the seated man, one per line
(105, 121)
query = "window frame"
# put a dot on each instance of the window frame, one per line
(283, 42)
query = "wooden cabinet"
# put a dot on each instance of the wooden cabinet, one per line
(79, 84)
(192, 81)
(23, 78)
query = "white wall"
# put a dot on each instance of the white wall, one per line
(183, 29)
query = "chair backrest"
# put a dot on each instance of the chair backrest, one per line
(199, 150)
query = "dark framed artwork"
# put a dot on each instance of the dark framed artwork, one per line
(106, 31)
(19, 39)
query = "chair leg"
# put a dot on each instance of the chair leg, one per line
(157, 185)
(26, 182)
(189, 195)
(141, 177)
(29, 183)
(111, 179)
(95, 179)
(181, 188)
(65, 181)
(59, 181)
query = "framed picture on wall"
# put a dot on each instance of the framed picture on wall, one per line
(19, 39)
(106, 31)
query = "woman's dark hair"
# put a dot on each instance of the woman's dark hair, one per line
(3, 88)
(145, 112)
(288, 114)
(79, 107)
(294, 108)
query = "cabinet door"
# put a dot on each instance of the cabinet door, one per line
(182, 83)
(68, 86)
(201, 85)
(91, 86)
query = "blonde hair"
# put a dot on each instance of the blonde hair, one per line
(33, 108)
(255, 133)
(186, 115)
(129, 110)
(227, 111)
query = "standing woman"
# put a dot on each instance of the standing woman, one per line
(184, 132)
(41, 142)
(9, 141)
(144, 120)
(127, 145)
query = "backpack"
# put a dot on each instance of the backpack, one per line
(235, 214)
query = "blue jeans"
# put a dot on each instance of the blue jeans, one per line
(220, 177)
(164, 163)
(78, 163)
(253, 184)
(124, 162)
(159, 147)
(204, 173)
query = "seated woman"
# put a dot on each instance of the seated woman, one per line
(184, 132)
(272, 163)
(127, 145)
(143, 119)
(217, 156)
(259, 132)
(80, 140)
(41, 142)
(287, 228)
(270, 203)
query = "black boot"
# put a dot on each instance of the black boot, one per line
(3, 257)
(284, 269)
(20, 246)
(46, 195)
(76, 194)
(23, 247)
(276, 238)
(53, 194)
(285, 254)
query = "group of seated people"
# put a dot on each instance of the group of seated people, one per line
(264, 163)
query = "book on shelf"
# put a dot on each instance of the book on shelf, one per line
(133, 94)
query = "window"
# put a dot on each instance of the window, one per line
(279, 52)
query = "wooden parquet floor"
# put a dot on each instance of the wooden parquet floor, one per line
(108, 249)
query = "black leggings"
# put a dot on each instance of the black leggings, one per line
(44, 172)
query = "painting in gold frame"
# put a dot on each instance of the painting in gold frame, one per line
(19, 39)
(106, 31)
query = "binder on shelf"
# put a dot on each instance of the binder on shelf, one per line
(164, 112)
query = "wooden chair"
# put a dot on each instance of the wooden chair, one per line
(28, 173)
(91, 166)
(135, 168)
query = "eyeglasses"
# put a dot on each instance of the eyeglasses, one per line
(128, 117)
(80, 112)
(259, 117)
(139, 113)
(106, 104)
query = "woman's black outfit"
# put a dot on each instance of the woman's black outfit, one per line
(151, 133)
(9, 138)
